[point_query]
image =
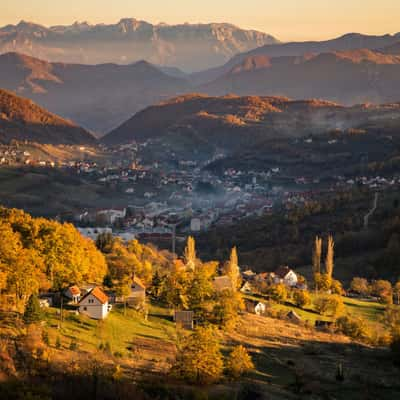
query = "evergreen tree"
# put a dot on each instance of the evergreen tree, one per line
(33, 312)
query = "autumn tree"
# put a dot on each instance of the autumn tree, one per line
(199, 358)
(331, 305)
(189, 255)
(329, 261)
(228, 304)
(232, 269)
(383, 290)
(239, 362)
(200, 289)
(360, 286)
(301, 298)
(317, 253)
(396, 292)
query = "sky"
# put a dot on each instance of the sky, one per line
(285, 19)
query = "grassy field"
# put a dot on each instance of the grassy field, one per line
(288, 357)
(370, 311)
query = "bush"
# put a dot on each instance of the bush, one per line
(45, 338)
(301, 298)
(355, 328)
(331, 305)
(73, 346)
(278, 292)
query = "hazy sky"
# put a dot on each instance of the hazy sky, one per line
(286, 19)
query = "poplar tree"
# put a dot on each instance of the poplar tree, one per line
(232, 269)
(329, 263)
(190, 253)
(317, 255)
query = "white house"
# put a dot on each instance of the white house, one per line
(95, 304)
(286, 275)
(260, 309)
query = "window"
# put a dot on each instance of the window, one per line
(84, 308)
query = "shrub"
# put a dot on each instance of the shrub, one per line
(355, 328)
(301, 298)
(45, 338)
(331, 305)
(73, 345)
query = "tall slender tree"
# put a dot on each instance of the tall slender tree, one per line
(232, 269)
(190, 253)
(317, 255)
(329, 261)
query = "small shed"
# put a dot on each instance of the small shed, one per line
(293, 317)
(247, 288)
(184, 319)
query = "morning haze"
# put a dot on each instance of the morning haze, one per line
(288, 19)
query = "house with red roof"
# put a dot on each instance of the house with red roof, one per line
(95, 304)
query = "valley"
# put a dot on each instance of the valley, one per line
(196, 210)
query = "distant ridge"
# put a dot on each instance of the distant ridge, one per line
(22, 119)
(97, 97)
(351, 41)
(348, 77)
(190, 47)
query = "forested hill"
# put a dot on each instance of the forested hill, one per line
(22, 119)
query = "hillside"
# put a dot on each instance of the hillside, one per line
(22, 119)
(190, 47)
(232, 122)
(351, 41)
(348, 77)
(98, 97)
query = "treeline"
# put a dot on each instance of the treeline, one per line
(37, 254)
(284, 238)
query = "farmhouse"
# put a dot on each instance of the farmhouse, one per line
(73, 293)
(286, 276)
(95, 304)
(137, 294)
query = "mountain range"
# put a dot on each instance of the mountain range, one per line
(186, 46)
(351, 41)
(348, 77)
(22, 119)
(97, 97)
(233, 122)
